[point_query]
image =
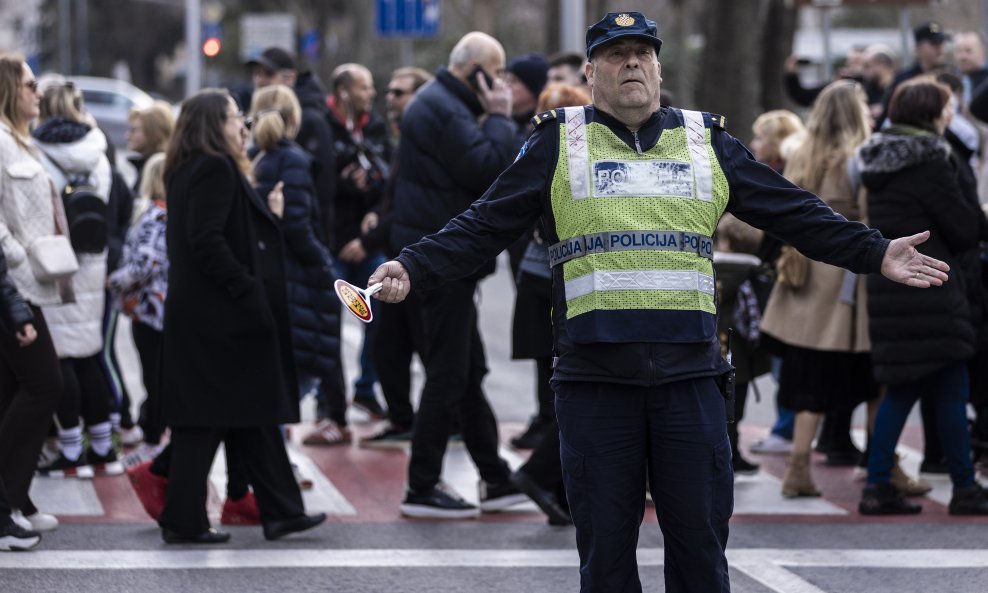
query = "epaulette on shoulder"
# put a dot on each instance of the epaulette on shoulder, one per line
(718, 121)
(541, 118)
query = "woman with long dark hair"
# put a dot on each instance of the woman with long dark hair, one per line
(228, 368)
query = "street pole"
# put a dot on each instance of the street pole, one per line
(82, 38)
(905, 28)
(65, 37)
(573, 25)
(828, 52)
(193, 32)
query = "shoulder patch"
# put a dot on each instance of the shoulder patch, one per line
(718, 121)
(541, 118)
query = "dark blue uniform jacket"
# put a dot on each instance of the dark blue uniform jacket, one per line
(521, 195)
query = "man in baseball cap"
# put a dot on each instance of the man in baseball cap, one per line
(930, 53)
(621, 25)
(274, 66)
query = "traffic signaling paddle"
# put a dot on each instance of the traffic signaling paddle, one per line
(357, 300)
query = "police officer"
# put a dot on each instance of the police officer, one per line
(629, 194)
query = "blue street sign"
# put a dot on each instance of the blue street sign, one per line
(407, 18)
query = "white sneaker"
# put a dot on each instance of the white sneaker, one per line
(18, 517)
(37, 522)
(131, 437)
(773, 444)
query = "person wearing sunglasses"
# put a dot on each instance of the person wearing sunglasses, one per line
(30, 380)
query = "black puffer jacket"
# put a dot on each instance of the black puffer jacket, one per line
(313, 307)
(14, 312)
(316, 138)
(446, 159)
(913, 186)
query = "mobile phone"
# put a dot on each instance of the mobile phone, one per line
(472, 78)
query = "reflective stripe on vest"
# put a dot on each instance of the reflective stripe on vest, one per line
(634, 228)
(630, 240)
(696, 137)
(576, 149)
(613, 280)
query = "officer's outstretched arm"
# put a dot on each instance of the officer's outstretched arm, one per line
(395, 279)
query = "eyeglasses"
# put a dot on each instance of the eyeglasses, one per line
(248, 122)
(397, 93)
(32, 84)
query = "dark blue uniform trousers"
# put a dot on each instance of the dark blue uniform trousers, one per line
(610, 434)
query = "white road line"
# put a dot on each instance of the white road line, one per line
(744, 559)
(323, 497)
(66, 496)
(773, 576)
(761, 494)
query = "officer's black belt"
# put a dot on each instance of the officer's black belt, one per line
(630, 241)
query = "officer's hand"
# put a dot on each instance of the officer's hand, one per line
(395, 279)
(903, 263)
(494, 99)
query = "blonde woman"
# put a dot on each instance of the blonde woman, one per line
(74, 153)
(30, 381)
(149, 132)
(822, 323)
(769, 132)
(139, 287)
(314, 309)
(774, 132)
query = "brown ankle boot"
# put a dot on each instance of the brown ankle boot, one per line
(798, 481)
(906, 485)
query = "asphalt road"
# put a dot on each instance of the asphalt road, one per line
(810, 549)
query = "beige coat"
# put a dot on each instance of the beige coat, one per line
(25, 215)
(815, 316)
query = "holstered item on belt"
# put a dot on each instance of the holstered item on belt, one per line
(727, 390)
(727, 381)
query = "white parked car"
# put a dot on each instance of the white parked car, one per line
(110, 101)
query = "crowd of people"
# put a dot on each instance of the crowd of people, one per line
(246, 209)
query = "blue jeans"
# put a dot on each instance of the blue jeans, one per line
(785, 419)
(358, 274)
(948, 389)
(610, 436)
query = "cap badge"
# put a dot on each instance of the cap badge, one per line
(934, 28)
(624, 20)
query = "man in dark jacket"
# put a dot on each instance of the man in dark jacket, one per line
(362, 152)
(639, 374)
(446, 160)
(931, 55)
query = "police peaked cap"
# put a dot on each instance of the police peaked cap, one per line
(617, 25)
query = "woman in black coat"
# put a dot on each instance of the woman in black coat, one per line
(228, 369)
(921, 339)
(313, 306)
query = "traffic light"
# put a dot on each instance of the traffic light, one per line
(211, 47)
(212, 38)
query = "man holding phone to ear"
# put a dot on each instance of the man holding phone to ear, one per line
(457, 136)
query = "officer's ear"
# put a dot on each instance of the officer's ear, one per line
(588, 71)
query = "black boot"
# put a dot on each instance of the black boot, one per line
(969, 500)
(884, 499)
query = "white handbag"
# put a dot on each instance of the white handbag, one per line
(52, 257)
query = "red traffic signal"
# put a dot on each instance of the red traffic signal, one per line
(211, 47)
